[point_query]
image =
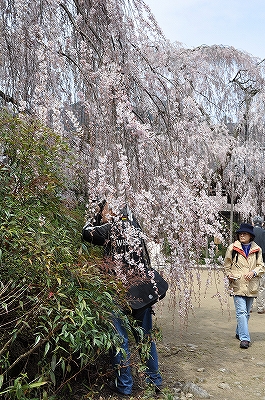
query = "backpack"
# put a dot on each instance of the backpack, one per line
(152, 287)
(235, 254)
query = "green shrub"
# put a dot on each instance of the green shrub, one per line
(55, 315)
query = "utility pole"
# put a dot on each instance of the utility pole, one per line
(232, 209)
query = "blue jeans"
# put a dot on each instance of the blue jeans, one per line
(124, 381)
(243, 306)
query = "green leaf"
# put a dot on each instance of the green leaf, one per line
(53, 362)
(108, 295)
(63, 366)
(34, 385)
(52, 376)
(19, 390)
(37, 340)
(47, 348)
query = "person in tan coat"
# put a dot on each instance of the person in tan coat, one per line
(243, 267)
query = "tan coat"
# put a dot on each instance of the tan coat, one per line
(254, 262)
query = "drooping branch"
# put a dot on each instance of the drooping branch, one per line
(8, 99)
(83, 35)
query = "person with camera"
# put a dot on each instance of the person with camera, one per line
(125, 252)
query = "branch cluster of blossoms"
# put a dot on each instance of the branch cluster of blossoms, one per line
(150, 123)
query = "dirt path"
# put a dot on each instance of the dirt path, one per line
(207, 352)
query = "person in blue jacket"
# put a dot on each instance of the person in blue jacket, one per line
(259, 233)
(121, 236)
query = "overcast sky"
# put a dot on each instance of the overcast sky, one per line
(237, 23)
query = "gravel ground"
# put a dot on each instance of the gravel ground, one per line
(207, 353)
(203, 359)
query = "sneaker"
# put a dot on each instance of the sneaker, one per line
(244, 344)
(157, 388)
